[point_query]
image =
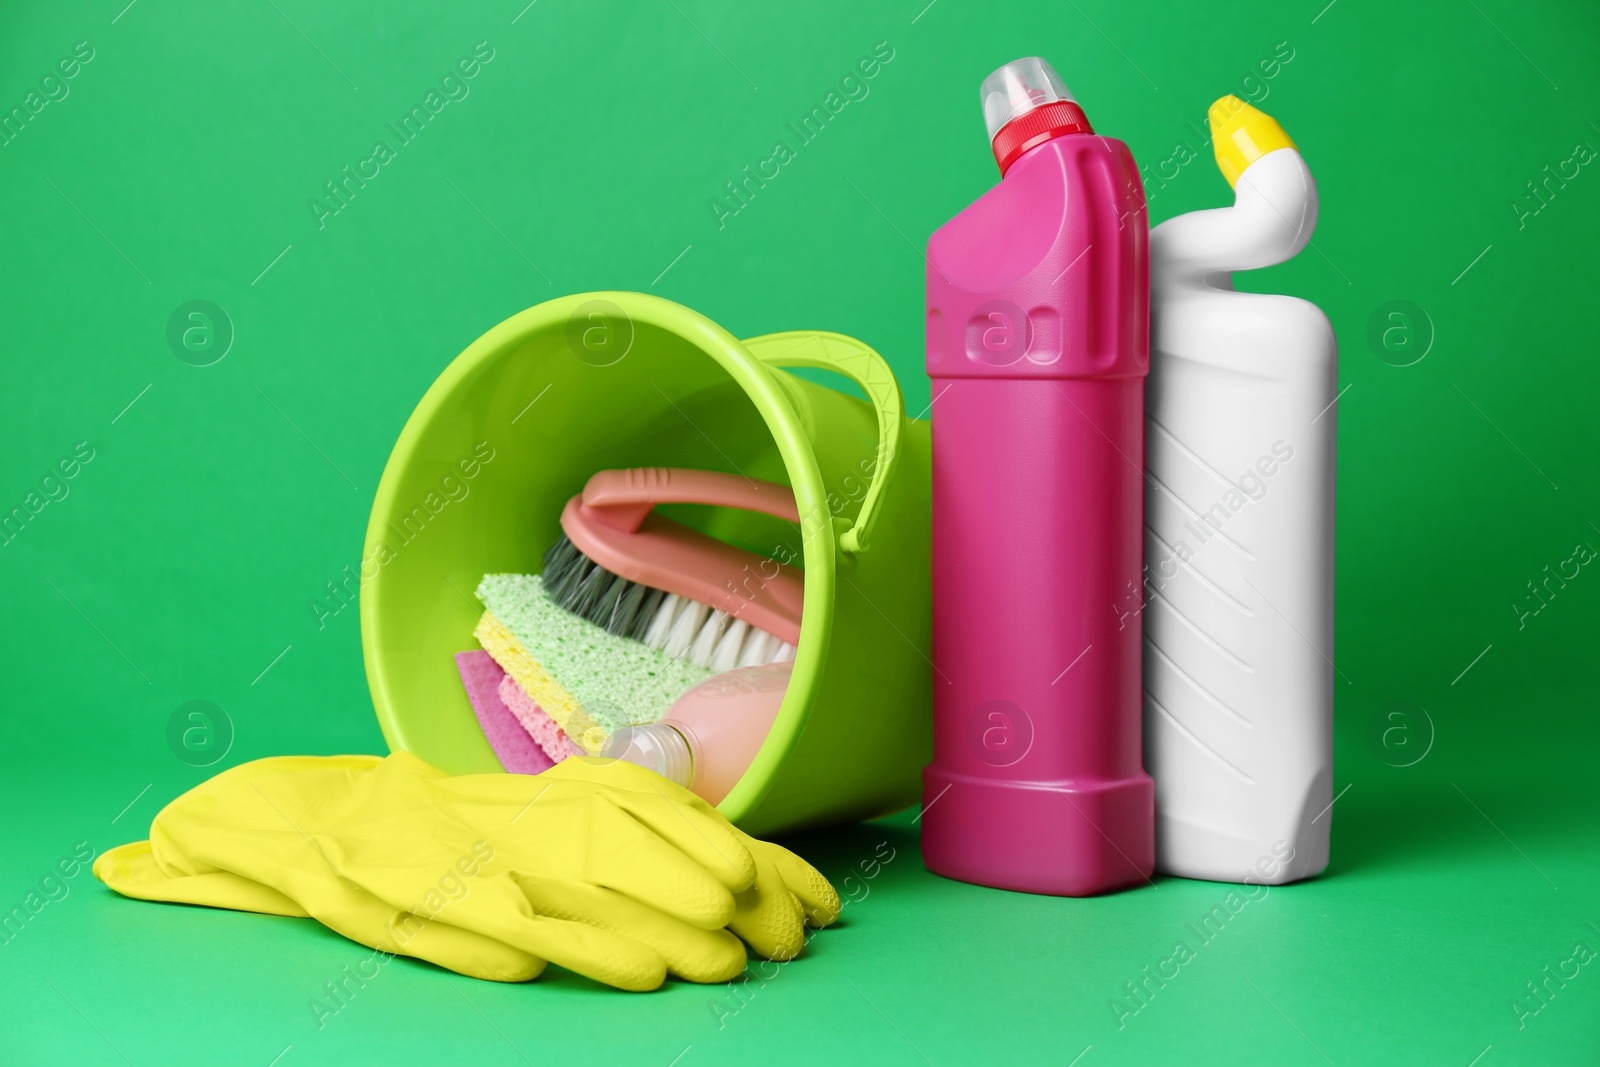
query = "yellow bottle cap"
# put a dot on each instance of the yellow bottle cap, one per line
(1240, 135)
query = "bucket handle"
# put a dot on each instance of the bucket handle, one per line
(863, 365)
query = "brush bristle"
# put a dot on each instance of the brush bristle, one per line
(681, 628)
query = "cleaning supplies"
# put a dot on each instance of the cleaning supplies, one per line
(1238, 590)
(601, 867)
(642, 588)
(602, 679)
(541, 727)
(514, 746)
(853, 736)
(706, 742)
(641, 575)
(1037, 344)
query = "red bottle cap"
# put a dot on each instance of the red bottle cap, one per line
(1025, 104)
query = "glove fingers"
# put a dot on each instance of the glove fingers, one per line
(695, 829)
(673, 812)
(816, 894)
(452, 947)
(132, 871)
(362, 917)
(496, 909)
(768, 916)
(626, 857)
(689, 952)
(603, 955)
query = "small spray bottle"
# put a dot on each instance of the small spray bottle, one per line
(1038, 345)
(1238, 586)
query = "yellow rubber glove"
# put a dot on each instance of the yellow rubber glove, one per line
(602, 867)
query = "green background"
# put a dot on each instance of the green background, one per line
(183, 561)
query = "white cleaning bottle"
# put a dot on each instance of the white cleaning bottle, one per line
(1239, 510)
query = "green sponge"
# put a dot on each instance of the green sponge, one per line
(617, 681)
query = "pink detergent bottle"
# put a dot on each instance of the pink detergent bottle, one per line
(1038, 347)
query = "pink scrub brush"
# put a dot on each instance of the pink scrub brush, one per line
(642, 575)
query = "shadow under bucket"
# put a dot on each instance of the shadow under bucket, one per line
(519, 421)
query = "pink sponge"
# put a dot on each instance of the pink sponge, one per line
(512, 744)
(541, 727)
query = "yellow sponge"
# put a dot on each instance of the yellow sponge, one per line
(544, 690)
(587, 680)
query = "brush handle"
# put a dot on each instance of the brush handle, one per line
(622, 498)
(613, 523)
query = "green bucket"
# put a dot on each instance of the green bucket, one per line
(520, 420)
